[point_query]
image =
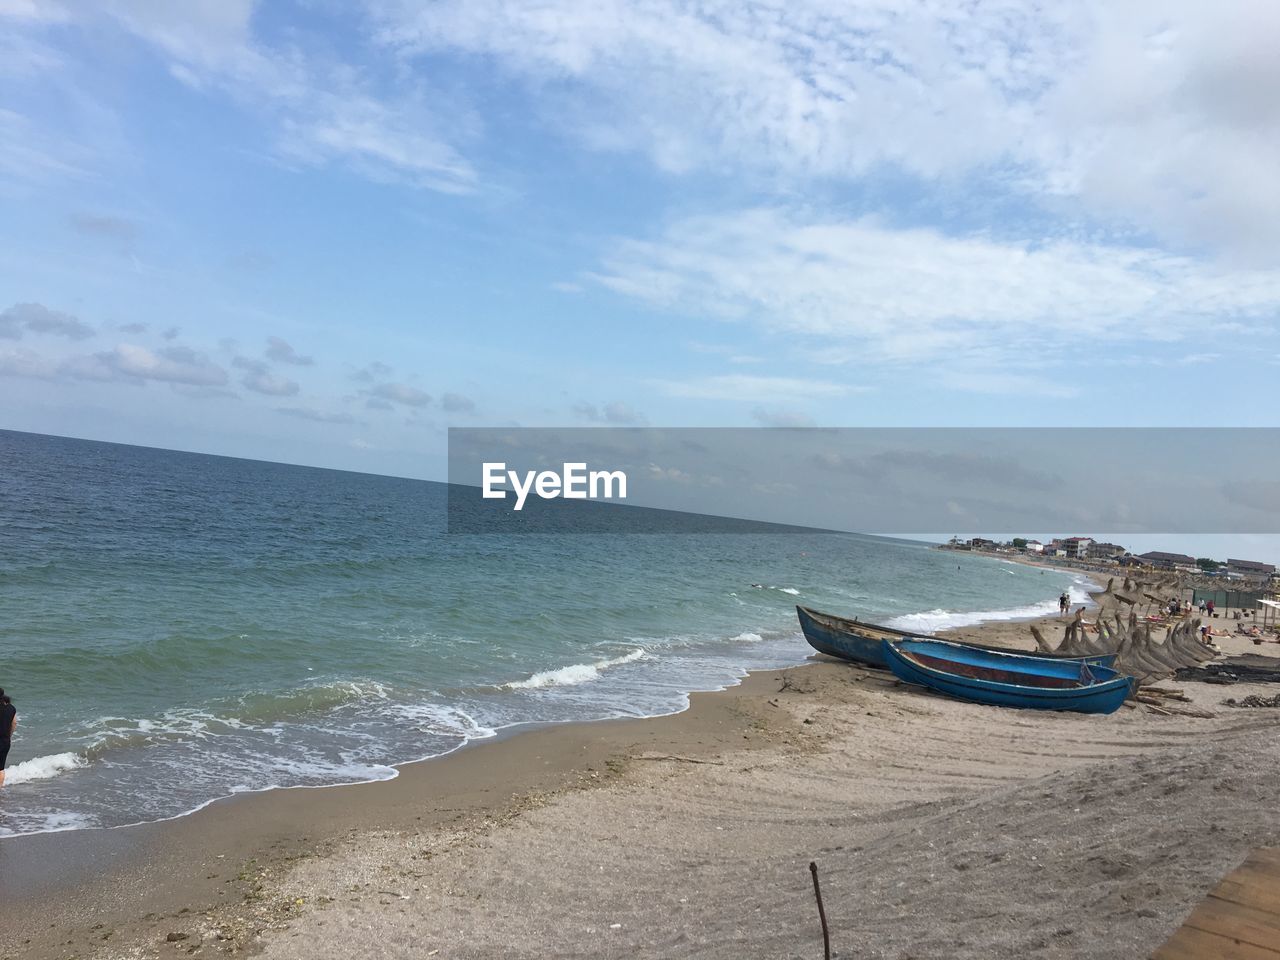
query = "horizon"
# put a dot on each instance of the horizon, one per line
(1207, 543)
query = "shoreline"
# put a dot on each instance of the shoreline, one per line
(205, 851)
(1008, 615)
(228, 863)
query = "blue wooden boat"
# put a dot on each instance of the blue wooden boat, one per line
(860, 642)
(1007, 679)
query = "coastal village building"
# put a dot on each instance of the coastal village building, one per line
(1034, 546)
(1077, 548)
(1251, 568)
(1105, 551)
(1169, 561)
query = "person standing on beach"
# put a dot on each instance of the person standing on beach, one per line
(8, 723)
(1064, 604)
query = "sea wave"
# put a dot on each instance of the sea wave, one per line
(44, 768)
(932, 621)
(440, 718)
(255, 709)
(574, 673)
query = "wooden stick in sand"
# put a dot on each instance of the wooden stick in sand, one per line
(822, 913)
(675, 759)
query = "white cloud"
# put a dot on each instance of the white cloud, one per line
(36, 10)
(400, 393)
(616, 413)
(23, 57)
(105, 226)
(781, 418)
(27, 364)
(281, 352)
(1054, 384)
(126, 363)
(381, 141)
(176, 364)
(322, 111)
(865, 291)
(315, 415)
(803, 86)
(273, 385)
(29, 152)
(37, 318)
(1168, 115)
(457, 403)
(755, 389)
(1160, 113)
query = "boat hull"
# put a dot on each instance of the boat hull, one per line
(843, 644)
(862, 643)
(1007, 680)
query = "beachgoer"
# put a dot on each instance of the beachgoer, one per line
(1209, 608)
(8, 723)
(1064, 604)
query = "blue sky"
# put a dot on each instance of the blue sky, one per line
(322, 232)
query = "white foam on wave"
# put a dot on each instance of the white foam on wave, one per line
(931, 621)
(444, 719)
(43, 768)
(791, 590)
(47, 822)
(574, 673)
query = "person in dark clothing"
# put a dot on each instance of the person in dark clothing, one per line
(8, 723)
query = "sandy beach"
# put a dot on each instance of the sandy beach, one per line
(941, 829)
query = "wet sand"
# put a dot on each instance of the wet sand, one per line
(941, 829)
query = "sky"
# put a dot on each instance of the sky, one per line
(323, 232)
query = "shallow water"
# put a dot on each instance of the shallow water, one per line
(178, 627)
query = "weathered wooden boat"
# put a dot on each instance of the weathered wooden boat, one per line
(862, 643)
(1007, 679)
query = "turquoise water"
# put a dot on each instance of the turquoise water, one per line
(179, 627)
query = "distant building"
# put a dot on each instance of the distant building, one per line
(1105, 551)
(1077, 548)
(1034, 546)
(1250, 568)
(1168, 561)
(980, 543)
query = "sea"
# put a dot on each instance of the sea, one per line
(176, 627)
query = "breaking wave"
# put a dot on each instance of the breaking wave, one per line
(573, 674)
(931, 621)
(44, 768)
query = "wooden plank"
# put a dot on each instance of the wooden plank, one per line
(1266, 855)
(1251, 888)
(1239, 920)
(1234, 921)
(1192, 944)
